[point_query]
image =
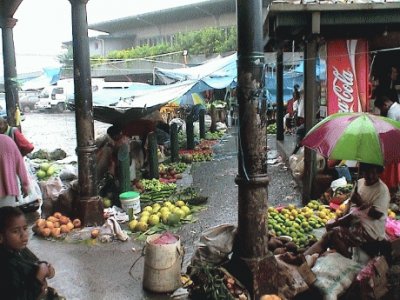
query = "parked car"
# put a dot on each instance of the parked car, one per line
(27, 102)
(53, 98)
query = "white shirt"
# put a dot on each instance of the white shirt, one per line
(394, 111)
(376, 195)
(298, 106)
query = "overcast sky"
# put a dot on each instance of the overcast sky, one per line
(44, 24)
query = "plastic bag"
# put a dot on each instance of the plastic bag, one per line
(335, 273)
(341, 182)
(215, 245)
(35, 194)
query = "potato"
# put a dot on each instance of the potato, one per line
(290, 246)
(279, 251)
(274, 243)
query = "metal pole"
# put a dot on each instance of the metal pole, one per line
(10, 70)
(153, 155)
(91, 209)
(279, 94)
(310, 112)
(189, 132)
(202, 125)
(174, 143)
(251, 261)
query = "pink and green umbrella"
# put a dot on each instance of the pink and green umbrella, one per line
(356, 136)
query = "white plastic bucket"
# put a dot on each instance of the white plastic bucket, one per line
(130, 199)
(162, 265)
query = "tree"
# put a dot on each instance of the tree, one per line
(66, 60)
(206, 41)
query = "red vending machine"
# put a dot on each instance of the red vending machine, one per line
(347, 81)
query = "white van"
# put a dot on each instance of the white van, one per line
(59, 97)
(54, 98)
(100, 88)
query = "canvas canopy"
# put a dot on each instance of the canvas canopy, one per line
(138, 100)
(142, 101)
(49, 76)
(217, 73)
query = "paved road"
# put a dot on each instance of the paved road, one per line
(101, 271)
(51, 131)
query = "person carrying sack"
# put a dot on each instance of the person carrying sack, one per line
(24, 146)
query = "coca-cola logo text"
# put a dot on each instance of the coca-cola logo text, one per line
(343, 89)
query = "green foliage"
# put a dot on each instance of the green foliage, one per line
(97, 60)
(66, 59)
(271, 128)
(206, 41)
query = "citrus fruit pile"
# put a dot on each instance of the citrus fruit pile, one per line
(55, 226)
(167, 212)
(298, 223)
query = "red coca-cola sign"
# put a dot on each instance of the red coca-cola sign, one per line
(347, 76)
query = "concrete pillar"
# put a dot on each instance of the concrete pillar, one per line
(251, 261)
(10, 69)
(279, 94)
(90, 205)
(310, 111)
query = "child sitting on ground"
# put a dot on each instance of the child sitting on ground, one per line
(22, 275)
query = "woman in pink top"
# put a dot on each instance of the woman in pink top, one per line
(11, 166)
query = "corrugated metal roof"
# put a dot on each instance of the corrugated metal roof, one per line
(160, 17)
(291, 19)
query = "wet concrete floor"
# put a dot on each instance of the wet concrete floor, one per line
(101, 271)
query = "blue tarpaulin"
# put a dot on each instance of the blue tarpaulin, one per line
(50, 76)
(217, 73)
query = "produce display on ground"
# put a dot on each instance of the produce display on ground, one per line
(215, 283)
(56, 226)
(47, 169)
(164, 207)
(154, 189)
(209, 136)
(299, 223)
(189, 156)
(271, 128)
(214, 135)
(162, 216)
(169, 173)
